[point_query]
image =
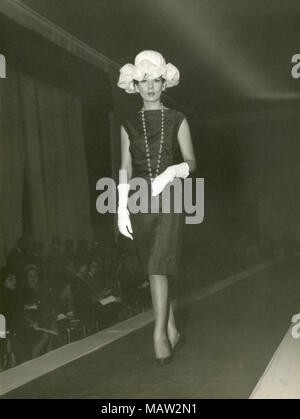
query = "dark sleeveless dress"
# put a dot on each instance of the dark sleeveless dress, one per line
(157, 236)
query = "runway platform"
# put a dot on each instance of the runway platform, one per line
(238, 345)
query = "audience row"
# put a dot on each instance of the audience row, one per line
(43, 296)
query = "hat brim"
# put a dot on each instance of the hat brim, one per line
(129, 73)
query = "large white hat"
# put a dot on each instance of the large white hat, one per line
(147, 64)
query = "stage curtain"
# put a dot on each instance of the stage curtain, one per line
(41, 139)
(12, 159)
(55, 161)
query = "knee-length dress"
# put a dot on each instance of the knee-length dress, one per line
(157, 236)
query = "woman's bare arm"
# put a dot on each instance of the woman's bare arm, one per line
(186, 146)
(126, 163)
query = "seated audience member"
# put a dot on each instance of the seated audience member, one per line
(67, 279)
(95, 251)
(131, 278)
(69, 251)
(86, 306)
(36, 256)
(107, 292)
(87, 299)
(93, 277)
(106, 261)
(18, 256)
(54, 263)
(16, 325)
(41, 309)
(82, 251)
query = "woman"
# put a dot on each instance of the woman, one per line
(151, 144)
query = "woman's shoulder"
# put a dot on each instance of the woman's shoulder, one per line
(178, 117)
(179, 114)
(127, 120)
(176, 114)
(130, 124)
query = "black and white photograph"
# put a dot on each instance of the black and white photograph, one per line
(149, 202)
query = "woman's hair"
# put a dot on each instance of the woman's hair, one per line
(135, 82)
(27, 270)
(6, 272)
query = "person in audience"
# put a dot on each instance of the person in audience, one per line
(82, 251)
(92, 276)
(18, 257)
(130, 278)
(88, 303)
(36, 256)
(16, 325)
(54, 264)
(105, 260)
(55, 247)
(95, 251)
(41, 308)
(67, 279)
(69, 251)
(108, 294)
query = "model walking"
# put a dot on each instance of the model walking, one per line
(156, 145)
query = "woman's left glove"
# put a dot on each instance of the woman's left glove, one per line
(178, 170)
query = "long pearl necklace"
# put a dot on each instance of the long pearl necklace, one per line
(162, 130)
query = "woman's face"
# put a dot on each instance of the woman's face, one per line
(10, 282)
(150, 89)
(32, 278)
(93, 268)
(82, 269)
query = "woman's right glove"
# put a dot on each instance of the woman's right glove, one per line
(124, 224)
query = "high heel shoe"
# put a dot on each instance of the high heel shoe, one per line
(179, 344)
(164, 361)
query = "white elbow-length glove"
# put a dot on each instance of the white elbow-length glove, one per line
(178, 170)
(124, 223)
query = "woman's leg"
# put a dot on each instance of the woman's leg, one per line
(159, 294)
(173, 333)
